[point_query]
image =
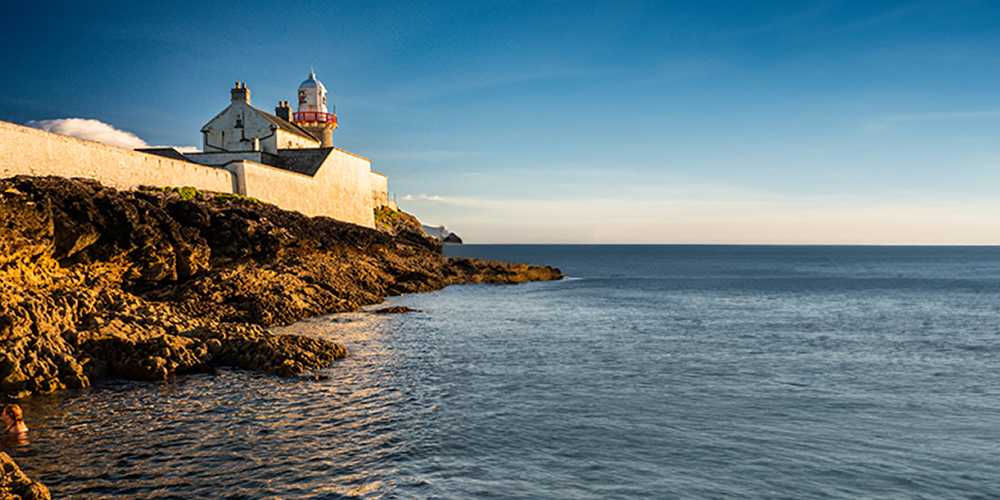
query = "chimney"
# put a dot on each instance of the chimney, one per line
(283, 111)
(240, 92)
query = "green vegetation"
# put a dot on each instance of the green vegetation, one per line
(186, 193)
(235, 196)
(385, 215)
(189, 193)
(387, 219)
(394, 221)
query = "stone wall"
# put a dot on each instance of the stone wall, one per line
(380, 190)
(221, 159)
(28, 151)
(340, 189)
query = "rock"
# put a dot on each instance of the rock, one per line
(96, 282)
(442, 234)
(395, 310)
(465, 270)
(14, 484)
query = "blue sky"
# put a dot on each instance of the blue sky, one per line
(648, 122)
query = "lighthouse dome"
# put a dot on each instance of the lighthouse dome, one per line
(312, 94)
(312, 83)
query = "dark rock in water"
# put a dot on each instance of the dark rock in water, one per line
(14, 484)
(453, 239)
(465, 270)
(395, 310)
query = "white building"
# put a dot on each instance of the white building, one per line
(288, 158)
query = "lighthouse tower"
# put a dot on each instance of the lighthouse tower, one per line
(313, 114)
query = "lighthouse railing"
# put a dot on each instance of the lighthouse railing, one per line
(314, 117)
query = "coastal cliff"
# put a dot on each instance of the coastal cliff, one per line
(149, 284)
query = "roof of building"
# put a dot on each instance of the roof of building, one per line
(277, 121)
(300, 160)
(284, 124)
(171, 153)
(312, 82)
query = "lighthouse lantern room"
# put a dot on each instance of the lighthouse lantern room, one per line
(313, 114)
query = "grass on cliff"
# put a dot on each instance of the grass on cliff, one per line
(186, 193)
(189, 193)
(385, 216)
(235, 196)
(393, 221)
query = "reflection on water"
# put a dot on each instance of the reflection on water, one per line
(241, 433)
(17, 442)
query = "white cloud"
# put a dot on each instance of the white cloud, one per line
(885, 122)
(424, 197)
(91, 130)
(434, 156)
(433, 200)
(96, 130)
(944, 115)
(754, 219)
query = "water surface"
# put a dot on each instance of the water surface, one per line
(654, 371)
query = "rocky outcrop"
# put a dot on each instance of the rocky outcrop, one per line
(154, 283)
(465, 270)
(394, 310)
(441, 234)
(15, 485)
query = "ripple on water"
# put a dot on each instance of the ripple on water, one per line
(664, 372)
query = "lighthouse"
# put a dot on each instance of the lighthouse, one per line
(312, 114)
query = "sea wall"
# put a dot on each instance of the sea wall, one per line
(380, 189)
(28, 151)
(348, 184)
(340, 189)
(221, 159)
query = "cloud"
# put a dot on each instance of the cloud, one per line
(423, 197)
(426, 197)
(429, 156)
(96, 130)
(901, 119)
(458, 201)
(944, 115)
(91, 130)
(763, 220)
(883, 17)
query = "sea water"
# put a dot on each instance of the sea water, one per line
(650, 372)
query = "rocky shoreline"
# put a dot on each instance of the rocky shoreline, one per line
(150, 284)
(15, 485)
(153, 283)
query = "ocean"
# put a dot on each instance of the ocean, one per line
(650, 372)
